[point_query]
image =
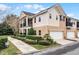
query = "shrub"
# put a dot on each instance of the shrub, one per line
(31, 41)
(48, 38)
(25, 40)
(34, 37)
(2, 43)
(44, 42)
(31, 31)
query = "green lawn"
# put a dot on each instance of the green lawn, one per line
(40, 47)
(3, 36)
(11, 50)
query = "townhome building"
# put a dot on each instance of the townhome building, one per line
(71, 28)
(52, 21)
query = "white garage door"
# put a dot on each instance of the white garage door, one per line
(70, 35)
(78, 34)
(56, 35)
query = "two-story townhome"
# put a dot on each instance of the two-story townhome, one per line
(25, 22)
(51, 21)
(71, 27)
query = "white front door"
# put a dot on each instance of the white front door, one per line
(56, 35)
(70, 35)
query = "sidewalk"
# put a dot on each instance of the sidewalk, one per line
(23, 47)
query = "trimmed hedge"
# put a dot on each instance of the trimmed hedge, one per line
(2, 43)
(44, 42)
(34, 37)
(25, 40)
(34, 40)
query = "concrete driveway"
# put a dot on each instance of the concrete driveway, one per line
(64, 41)
(72, 52)
(23, 47)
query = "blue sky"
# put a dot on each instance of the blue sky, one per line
(71, 9)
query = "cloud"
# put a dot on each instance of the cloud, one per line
(35, 6)
(4, 7)
(71, 15)
(29, 6)
(38, 7)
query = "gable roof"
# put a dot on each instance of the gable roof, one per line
(56, 5)
(28, 13)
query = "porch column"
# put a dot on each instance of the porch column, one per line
(26, 21)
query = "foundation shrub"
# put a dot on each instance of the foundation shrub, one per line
(48, 38)
(44, 42)
(31, 31)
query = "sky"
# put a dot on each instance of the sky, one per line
(71, 9)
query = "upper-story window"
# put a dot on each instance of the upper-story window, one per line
(24, 22)
(56, 17)
(61, 18)
(50, 16)
(35, 20)
(64, 18)
(20, 25)
(39, 19)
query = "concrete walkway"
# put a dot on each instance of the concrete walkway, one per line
(23, 47)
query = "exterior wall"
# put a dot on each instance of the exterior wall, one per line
(43, 29)
(53, 21)
(21, 21)
(22, 15)
(48, 25)
(46, 21)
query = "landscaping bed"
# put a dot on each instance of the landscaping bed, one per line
(37, 42)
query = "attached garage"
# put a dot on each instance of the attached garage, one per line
(78, 34)
(70, 35)
(56, 35)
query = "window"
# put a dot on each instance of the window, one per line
(56, 17)
(24, 31)
(20, 25)
(35, 20)
(39, 32)
(24, 22)
(64, 17)
(50, 16)
(61, 17)
(39, 19)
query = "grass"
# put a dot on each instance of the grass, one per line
(40, 47)
(3, 36)
(11, 50)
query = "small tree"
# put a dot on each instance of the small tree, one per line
(31, 31)
(47, 37)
